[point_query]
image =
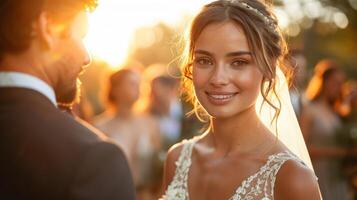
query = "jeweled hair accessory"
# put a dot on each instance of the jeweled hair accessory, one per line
(268, 20)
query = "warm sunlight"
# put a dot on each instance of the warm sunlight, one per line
(113, 23)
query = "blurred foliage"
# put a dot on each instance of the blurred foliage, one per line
(157, 44)
(323, 40)
(318, 38)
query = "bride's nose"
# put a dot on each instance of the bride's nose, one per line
(219, 76)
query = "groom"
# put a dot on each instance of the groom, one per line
(44, 152)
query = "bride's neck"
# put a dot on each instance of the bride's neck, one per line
(242, 132)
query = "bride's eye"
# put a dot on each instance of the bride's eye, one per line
(239, 63)
(203, 61)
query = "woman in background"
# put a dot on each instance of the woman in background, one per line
(319, 122)
(136, 134)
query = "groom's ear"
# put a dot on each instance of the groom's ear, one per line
(42, 32)
(47, 31)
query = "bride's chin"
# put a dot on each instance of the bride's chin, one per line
(221, 114)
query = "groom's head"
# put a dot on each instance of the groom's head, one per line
(47, 34)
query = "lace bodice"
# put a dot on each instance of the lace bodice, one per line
(258, 186)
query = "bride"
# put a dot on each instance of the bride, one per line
(232, 78)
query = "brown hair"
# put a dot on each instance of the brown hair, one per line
(323, 70)
(116, 79)
(264, 39)
(17, 16)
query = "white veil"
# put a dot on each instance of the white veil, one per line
(288, 129)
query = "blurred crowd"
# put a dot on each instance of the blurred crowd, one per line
(326, 105)
(145, 116)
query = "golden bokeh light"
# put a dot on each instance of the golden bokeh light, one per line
(113, 23)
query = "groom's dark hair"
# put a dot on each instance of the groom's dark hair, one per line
(17, 17)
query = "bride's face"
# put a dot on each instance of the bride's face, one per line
(225, 76)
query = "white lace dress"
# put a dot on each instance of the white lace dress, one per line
(258, 186)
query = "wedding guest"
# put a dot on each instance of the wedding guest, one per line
(320, 120)
(235, 54)
(137, 134)
(347, 135)
(160, 101)
(298, 61)
(46, 153)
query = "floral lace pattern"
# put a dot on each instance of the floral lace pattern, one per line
(257, 186)
(177, 190)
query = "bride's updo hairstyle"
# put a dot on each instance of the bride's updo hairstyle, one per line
(264, 38)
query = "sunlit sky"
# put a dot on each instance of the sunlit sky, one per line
(113, 23)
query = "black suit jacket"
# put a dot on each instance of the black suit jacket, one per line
(47, 154)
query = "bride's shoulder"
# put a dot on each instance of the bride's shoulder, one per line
(296, 181)
(172, 157)
(175, 151)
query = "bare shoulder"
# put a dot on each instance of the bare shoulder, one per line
(175, 151)
(173, 155)
(171, 158)
(295, 181)
(147, 122)
(145, 119)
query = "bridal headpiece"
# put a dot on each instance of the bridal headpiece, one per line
(271, 23)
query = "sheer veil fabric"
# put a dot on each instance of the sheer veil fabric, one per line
(287, 128)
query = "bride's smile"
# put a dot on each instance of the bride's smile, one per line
(220, 98)
(235, 52)
(225, 77)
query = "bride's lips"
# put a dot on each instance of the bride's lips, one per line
(220, 98)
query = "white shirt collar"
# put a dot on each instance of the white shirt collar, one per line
(22, 80)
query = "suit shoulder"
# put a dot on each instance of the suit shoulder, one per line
(70, 127)
(104, 173)
(62, 133)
